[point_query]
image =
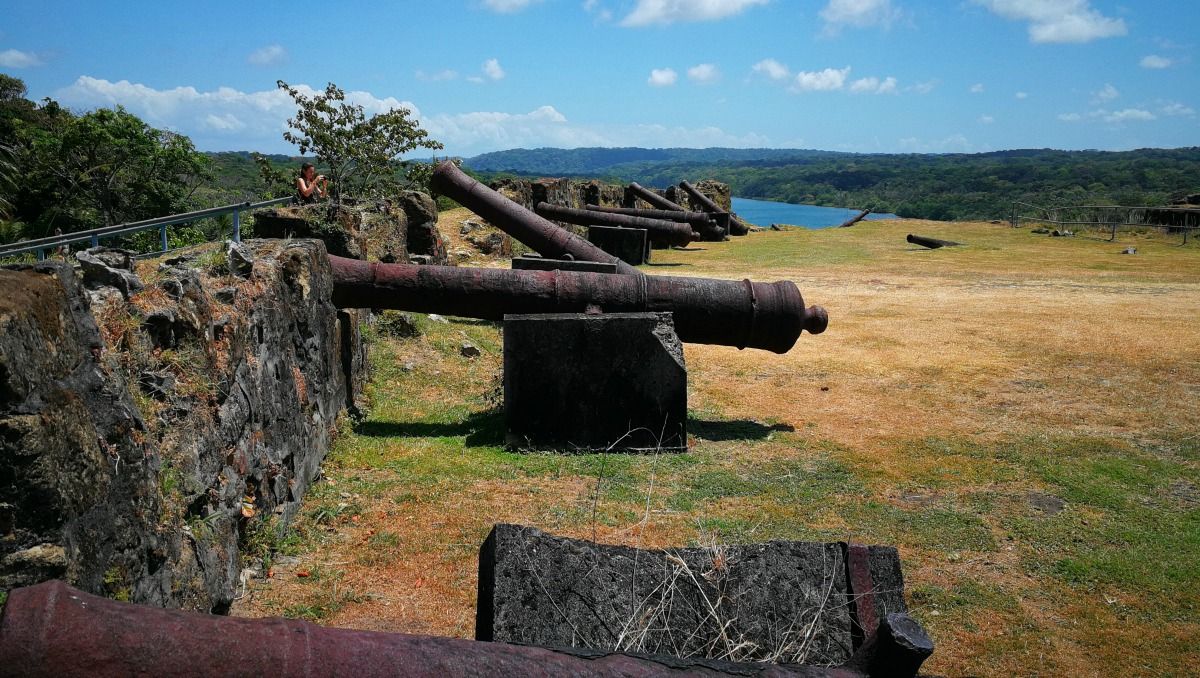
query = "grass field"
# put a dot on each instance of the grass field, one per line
(1018, 416)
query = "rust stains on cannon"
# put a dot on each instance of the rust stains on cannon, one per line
(741, 313)
(702, 222)
(54, 630)
(542, 236)
(931, 243)
(658, 230)
(736, 226)
(653, 199)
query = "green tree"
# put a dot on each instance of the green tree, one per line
(102, 168)
(362, 153)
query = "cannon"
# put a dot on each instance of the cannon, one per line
(654, 199)
(54, 630)
(736, 226)
(931, 243)
(543, 236)
(740, 313)
(702, 222)
(659, 231)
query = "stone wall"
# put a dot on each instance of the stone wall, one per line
(389, 230)
(148, 435)
(561, 192)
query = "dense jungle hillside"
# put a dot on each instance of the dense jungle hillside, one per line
(926, 186)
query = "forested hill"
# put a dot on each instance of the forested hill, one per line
(952, 186)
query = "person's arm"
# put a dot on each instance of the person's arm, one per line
(305, 188)
(322, 185)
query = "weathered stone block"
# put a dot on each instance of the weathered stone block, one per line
(785, 600)
(575, 380)
(627, 244)
(535, 263)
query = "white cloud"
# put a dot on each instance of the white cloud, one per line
(603, 14)
(1136, 114)
(472, 133)
(704, 73)
(1022, 95)
(986, 120)
(1155, 61)
(820, 81)
(859, 14)
(662, 12)
(772, 69)
(1106, 93)
(477, 79)
(15, 58)
(444, 74)
(977, 88)
(491, 68)
(1177, 110)
(221, 119)
(508, 6)
(873, 85)
(1053, 21)
(228, 119)
(226, 122)
(662, 77)
(1070, 117)
(267, 56)
(924, 87)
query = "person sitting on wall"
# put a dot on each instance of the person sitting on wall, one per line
(310, 185)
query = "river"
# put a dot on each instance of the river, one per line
(765, 212)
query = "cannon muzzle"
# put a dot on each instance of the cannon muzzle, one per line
(741, 313)
(659, 231)
(543, 236)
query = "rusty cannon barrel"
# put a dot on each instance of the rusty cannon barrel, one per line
(56, 631)
(931, 243)
(736, 226)
(659, 231)
(542, 236)
(651, 198)
(737, 313)
(701, 222)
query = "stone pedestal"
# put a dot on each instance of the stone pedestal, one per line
(627, 244)
(534, 263)
(580, 382)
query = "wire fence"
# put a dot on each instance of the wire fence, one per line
(1109, 218)
(62, 243)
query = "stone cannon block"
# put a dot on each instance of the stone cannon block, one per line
(630, 245)
(624, 385)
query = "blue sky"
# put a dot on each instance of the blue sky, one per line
(485, 75)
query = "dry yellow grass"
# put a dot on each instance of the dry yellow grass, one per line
(949, 386)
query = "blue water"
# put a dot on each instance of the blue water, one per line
(764, 213)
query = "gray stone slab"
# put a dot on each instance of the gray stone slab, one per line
(781, 600)
(531, 263)
(576, 381)
(627, 244)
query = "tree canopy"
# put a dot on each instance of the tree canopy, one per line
(100, 168)
(361, 153)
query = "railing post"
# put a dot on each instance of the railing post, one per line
(237, 226)
(95, 241)
(162, 231)
(41, 253)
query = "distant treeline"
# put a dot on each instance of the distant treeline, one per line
(944, 187)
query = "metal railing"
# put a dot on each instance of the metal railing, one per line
(1109, 217)
(93, 236)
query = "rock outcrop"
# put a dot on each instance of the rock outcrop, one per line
(389, 230)
(144, 442)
